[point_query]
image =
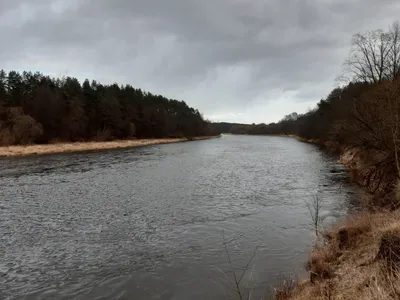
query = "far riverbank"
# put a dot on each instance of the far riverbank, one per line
(25, 150)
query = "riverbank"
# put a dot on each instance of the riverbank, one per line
(26, 150)
(357, 263)
(359, 258)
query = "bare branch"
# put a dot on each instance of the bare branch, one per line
(375, 55)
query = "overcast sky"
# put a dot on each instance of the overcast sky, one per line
(235, 60)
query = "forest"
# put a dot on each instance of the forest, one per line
(35, 108)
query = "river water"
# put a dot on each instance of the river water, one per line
(162, 222)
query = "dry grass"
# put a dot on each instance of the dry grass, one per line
(350, 265)
(9, 151)
(286, 289)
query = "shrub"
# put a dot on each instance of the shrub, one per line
(25, 129)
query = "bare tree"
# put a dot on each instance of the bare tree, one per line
(372, 129)
(393, 98)
(374, 56)
(376, 114)
(369, 56)
(394, 55)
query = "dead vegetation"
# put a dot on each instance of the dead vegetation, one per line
(359, 260)
(19, 150)
(286, 288)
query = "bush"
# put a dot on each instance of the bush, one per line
(389, 249)
(26, 130)
(19, 128)
(6, 137)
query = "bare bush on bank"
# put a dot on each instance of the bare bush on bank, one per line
(315, 208)
(372, 130)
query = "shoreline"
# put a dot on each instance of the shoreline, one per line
(58, 148)
(350, 260)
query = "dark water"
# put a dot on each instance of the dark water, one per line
(150, 223)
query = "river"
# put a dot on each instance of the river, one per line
(157, 222)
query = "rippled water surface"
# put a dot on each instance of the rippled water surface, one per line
(150, 223)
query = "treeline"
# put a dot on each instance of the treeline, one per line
(367, 105)
(226, 127)
(35, 108)
(321, 123)
(363, 114)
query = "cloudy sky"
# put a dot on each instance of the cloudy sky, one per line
(235, 60)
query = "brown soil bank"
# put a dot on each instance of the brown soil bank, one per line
(10, 151)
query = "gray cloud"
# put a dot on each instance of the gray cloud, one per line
(237, 60)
